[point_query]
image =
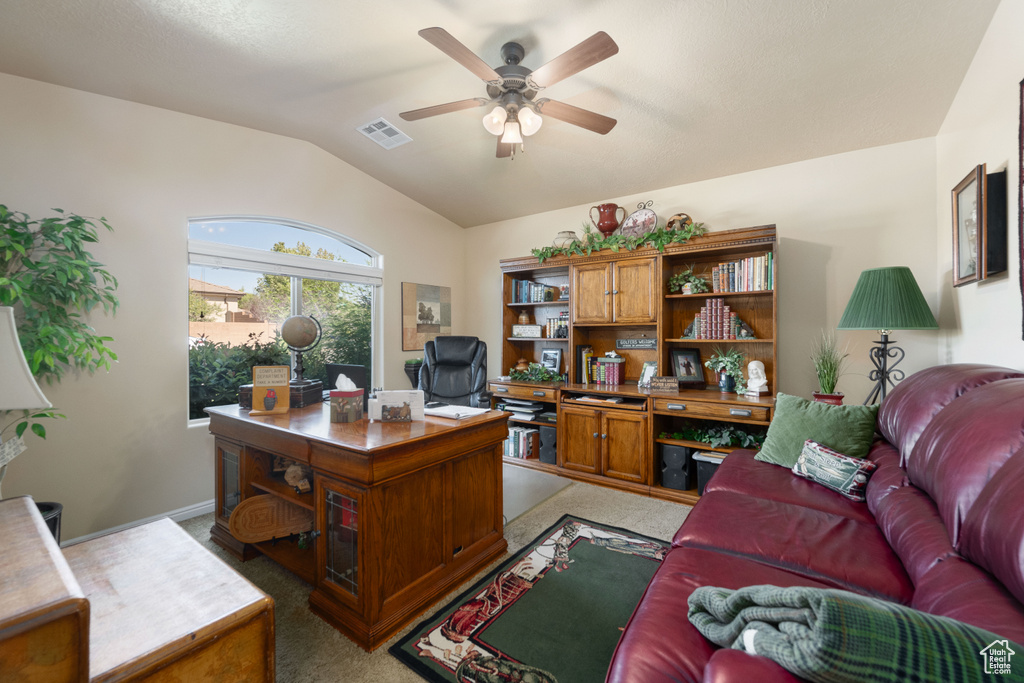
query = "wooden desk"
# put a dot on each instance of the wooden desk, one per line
(403, 512)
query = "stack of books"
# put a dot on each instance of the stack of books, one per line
(522, 443)
(608, 370)
(559, 323)
(752, 274)
(526, 291)
(715, 321)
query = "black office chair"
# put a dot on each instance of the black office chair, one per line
(455, 371)
(356, 373)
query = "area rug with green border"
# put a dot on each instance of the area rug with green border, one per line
(551, 613)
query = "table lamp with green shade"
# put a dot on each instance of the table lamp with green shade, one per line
(18, 388)
(886, 299)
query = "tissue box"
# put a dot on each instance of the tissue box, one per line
(346, 406)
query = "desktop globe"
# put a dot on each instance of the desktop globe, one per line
(300, 332)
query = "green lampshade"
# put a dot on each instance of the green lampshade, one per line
(887, 299)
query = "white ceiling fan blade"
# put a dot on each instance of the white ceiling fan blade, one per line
(425, 112)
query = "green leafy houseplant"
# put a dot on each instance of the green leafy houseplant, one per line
(698, 285)
(718, 436)
(535, 373)
(729, 361)
(53, 283)
(829, 362)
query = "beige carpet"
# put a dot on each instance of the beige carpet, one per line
(310, 651)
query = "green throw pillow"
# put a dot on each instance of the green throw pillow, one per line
(847, 429)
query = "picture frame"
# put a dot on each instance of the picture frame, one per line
(688, 368)
(969, 214)
(647, 371)
(551, 359)
(426, 314)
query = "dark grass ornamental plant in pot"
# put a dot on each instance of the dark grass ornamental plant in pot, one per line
(829, 366)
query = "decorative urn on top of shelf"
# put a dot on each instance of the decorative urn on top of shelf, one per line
(608, 220)
(524, 318)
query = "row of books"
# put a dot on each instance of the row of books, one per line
(522, 443)
(752, 274)
(558, 327)
(527, 291)
(716, 320)
(600, 369)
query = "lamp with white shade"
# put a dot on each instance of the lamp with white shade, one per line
(18, 388)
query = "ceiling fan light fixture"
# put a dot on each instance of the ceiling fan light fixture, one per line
(494, 120)
(513, 134)
(529, 121)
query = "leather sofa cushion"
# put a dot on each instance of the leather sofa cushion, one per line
(910, 522)
(740, 473)
(888, 477)
(912, 404)
(659, 644)
(736, 666)
(957, 589)
(992, 535)
(820, 546)
(965, 445)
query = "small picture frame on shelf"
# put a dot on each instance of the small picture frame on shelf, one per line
(649, 370)
(688, 369)
(551, 359)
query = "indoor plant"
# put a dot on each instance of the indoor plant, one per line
(412, 369)
(829, 366)
(535, 372)
(687, 279)
(728, 363)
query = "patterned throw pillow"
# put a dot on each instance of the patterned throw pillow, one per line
(849, 476)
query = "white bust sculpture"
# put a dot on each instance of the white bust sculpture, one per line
(757, 381)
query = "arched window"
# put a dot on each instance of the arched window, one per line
(247, 274)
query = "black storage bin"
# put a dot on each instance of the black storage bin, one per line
(678, 471)
(51, 515)
(707, 463)
(548, 453)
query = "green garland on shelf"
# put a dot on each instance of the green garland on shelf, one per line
(592, 241)
(535, 373)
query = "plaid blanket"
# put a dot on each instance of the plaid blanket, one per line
(835, 636)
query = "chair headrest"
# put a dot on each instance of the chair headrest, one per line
(455, 349)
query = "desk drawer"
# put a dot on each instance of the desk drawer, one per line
(719, 410)
(524, 392)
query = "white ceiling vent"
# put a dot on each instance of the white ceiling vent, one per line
(384, 134)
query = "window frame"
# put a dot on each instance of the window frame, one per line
(219, 255)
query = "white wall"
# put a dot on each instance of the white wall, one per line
(835, 216)
(982, 321)
(125, 451)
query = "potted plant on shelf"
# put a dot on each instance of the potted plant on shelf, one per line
(728, 363)
(687, 282)
(535, 372)
(412, 369)
(829, 366)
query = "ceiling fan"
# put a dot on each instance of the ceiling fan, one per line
(512, 89)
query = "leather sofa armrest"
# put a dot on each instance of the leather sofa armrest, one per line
(735, 666)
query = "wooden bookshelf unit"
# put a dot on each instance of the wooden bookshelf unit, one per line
(620, 301)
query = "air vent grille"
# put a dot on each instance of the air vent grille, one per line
(384, 134)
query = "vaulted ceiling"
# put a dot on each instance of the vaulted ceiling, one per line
(700, 88)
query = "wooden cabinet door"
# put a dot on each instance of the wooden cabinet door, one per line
(579, 439)
(228, 468)
(341, 545)
(634, 297)
(624, 446)
(592, 285)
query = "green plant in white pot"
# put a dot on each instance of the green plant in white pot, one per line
(829, 366)
(51, 283)
(728, 364)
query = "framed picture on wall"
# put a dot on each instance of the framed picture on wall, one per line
(969, 228)
(551, 359)
(687, 368)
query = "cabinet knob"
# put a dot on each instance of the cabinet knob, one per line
(595, 435)
(607, 292)
(615, 291)
(314, 534)
(739, 412)
(604, 436)
(676, 406)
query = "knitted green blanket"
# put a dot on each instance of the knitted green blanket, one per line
(836, 636)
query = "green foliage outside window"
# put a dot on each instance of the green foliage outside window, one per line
(217, 369)
(199, 308)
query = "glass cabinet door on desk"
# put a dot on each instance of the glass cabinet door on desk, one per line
(338, 548)
(229, 484)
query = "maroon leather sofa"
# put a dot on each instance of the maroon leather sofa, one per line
(942, 529)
